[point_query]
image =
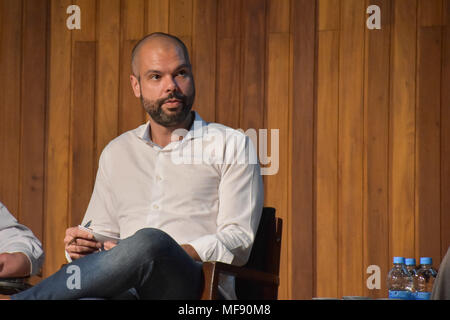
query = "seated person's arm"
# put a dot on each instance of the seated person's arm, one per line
(21, 252)
(14, 265)
(241, 197)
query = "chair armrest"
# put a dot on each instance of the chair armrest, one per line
(246, 273)
(212, 269)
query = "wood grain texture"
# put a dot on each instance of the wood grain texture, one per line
(402, 129)
(131, 112)
(253, 53)
(33, 111)
(376, 148)
(302, 121)
(328, 15)
(107, 77)
(204, 57)
(430, 13)
(181, 21)
(58, 138)
(351, 119)
(327, 121)
(82, 168)
(427, 184)
(445, 133)
(276, 189)
(228, 64)
(158, 16)
(10, 96)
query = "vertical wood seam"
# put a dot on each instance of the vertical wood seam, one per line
(21, 81)
(416, 246)
(364, 142)
(442, 62)
(389, 105)
(338, 202)
(314, 152)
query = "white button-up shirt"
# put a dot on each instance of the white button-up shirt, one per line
(204, 189)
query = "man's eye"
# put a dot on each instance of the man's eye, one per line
(182, 73)
(155, 77)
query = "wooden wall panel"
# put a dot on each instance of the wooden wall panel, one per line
(82, 114)
(228, 64)
(181, 21)
(204, 57)
(402, 129)
(277, 117)
(33, 111)
(82, 166)
(351, 119)
(427, 196)
(10, 119)
(58, 142)
(327, 251)
(303, 48)
(276, 189)
(326, 175)
(131, 112)
(376, 148)
(445, 132)
(157, 16)
(107, 77)
(253, 52)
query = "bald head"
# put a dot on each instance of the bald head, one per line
(156, 39)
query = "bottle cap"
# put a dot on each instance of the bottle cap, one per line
(426, 260)
(410, 261)
(399, 260)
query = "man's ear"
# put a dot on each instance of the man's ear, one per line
(136, 86)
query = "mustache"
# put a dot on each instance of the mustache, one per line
(172, 95)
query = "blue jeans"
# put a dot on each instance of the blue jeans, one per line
(147, 265)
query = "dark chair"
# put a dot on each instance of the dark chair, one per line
(9, 286)
(259, 278)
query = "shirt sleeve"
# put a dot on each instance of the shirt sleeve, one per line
(101, 209)
(240, 206)
(15, 237)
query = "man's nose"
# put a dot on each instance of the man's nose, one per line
(171, 84)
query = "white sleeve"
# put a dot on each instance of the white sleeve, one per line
(101, 209)
(15, 237)
(241, 198)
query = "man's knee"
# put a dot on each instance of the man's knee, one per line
(152, 241)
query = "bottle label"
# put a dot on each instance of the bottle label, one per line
(400, 294)
(423, 295)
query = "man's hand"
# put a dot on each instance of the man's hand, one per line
(79, 243)
(109, 245)
(14, 265)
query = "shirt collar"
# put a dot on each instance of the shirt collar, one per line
(197, 130)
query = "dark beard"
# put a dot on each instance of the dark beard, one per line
(155, 111)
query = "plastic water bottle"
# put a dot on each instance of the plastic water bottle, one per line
(399, 281)
(411, 267)
(425, 279)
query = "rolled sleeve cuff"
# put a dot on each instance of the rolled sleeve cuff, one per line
(209, 248)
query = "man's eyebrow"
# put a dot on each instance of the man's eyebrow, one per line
(151, 71)
(181, 66)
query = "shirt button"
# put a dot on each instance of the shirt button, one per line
(158, 178)
(155, 206)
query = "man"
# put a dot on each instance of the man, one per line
(171, 190)
(21, 252)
